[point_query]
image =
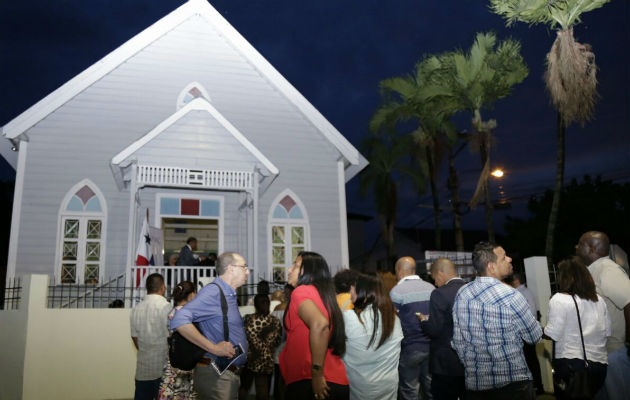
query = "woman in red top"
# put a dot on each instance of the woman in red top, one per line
(311, 360)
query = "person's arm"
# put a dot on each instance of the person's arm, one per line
(221, 349)
(433, 323)
(135, 342)
(529, 328)
(626, 314)
(318, 340)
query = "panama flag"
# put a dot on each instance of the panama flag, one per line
(144, 255)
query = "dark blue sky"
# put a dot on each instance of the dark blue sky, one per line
(335, 53)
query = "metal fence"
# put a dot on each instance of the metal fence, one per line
(111, 294)
(12, 294)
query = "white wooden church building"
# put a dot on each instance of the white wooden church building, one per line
(189, 121)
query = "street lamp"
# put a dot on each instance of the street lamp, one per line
(497, 173)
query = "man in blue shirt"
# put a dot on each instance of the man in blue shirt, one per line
(410, 296)
(205, 309)
(490, 322)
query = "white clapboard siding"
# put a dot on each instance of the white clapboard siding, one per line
(79, 139)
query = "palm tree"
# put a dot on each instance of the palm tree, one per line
(474, 80)
(388, 156)
(570, 77)
(403, 101)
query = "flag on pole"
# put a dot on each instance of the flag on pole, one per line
(144, 255)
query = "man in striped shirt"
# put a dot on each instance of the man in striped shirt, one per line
(490, 322)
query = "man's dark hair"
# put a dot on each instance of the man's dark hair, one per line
(154, 283)
(344, 279)
(519, 277)
(191, 239)
(482, 254)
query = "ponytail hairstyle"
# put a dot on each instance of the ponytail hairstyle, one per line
(182, 291)
(371, 291)
(314, 271)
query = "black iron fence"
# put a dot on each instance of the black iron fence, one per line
(12, 294)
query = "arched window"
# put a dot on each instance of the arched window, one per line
(191, 91)
(82, 223)
(289, 232)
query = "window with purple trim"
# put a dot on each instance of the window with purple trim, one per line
(81, 237)
(289, 233)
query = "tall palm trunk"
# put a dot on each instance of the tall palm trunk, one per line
(555, 205)
(484, 151)
(453, 185)
(388, 220)
(436, 199)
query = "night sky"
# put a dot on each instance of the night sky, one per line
(335, 53)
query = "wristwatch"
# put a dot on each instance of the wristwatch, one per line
(316, 367)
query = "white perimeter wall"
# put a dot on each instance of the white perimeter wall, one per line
(64, 354)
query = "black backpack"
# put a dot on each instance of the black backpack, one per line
(184, 354)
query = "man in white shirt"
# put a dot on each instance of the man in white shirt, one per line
(613, 285)
(149, 332)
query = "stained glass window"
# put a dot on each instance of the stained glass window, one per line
(82, 230)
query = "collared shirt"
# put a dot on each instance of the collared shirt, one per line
(411, 295)
(205, 309)
(490, 322)
(149, 323)
(613, 285)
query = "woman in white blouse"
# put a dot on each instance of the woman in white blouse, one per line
(373, 335)
(576, 283)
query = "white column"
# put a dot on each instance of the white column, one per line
(343, 221)
(131, 238)
(17, 211)
(537, 275)
(255, 260)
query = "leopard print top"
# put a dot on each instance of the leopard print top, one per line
(263, 335)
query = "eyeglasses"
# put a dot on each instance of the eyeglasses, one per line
(244, 266)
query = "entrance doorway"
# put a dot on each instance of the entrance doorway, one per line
(177, 230)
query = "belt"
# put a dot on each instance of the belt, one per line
(205, 361)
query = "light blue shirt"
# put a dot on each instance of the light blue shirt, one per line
(372, 373)
(205, 309)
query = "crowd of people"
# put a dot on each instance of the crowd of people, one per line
(349, 337)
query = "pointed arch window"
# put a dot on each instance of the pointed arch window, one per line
(192, 91)
(289, 233)
(81, 237)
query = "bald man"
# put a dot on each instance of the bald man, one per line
(410, 297)
(613, 285)
(447, 372)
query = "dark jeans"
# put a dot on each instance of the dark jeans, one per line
(413, 375)
(262, 382)
(529, 350)
(147, 390)
(523, 390)
(444, 387)
(278, 384)
(303, 390)
(563, 368)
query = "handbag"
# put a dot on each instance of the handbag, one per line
(577, 386)
(182, 353)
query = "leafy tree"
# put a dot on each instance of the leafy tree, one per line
(388, 156)
(473, 81)
(432, 132)
(571, 73)
(592, 204)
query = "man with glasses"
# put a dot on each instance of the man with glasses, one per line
(205, 309)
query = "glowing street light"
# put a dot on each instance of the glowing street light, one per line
(497, 173)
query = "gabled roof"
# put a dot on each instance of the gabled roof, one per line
(198, 104)
(56, 99)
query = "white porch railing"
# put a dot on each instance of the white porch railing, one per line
(200, 178)
(172, 276)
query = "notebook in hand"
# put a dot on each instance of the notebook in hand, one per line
(221, 364)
